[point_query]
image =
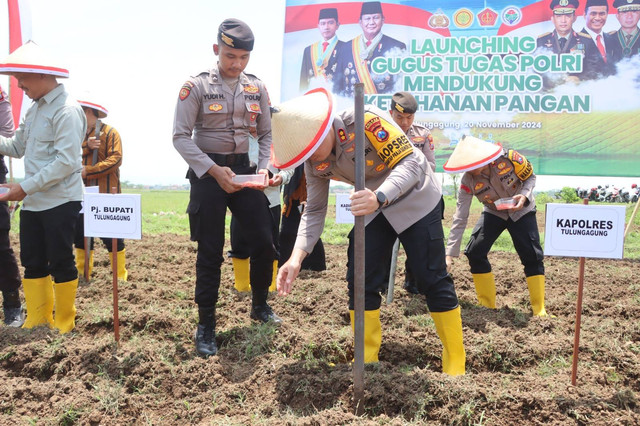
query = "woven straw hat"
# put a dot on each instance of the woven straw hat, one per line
(471, 153)
(31, 58)
(87, 100)
(299, 126)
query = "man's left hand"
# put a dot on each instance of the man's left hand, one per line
(520, 200)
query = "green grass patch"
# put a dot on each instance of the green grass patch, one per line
(164, 211)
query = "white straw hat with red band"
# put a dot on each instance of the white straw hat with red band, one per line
(87, 100)
(31, 58)
(298, 127)
(471, 153)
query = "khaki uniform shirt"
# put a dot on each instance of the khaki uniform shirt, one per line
(422, 139)
(501, 182)
(50, 139)
(210, 118)
(409, 185)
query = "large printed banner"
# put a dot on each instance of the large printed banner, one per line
(515, 72)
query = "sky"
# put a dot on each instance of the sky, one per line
(134, 56)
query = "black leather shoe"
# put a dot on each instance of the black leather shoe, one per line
(264, 314)
(411, 287)
(14, 317)
(206, 340)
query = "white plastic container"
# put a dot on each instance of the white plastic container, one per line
(258, 180)
(3, 189)
(505, 203)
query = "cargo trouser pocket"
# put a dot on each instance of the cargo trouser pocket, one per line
(193, 210)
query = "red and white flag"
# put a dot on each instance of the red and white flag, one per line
(18, 16)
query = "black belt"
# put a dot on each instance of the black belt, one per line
(226, 160)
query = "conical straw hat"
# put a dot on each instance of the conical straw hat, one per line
(87, 100)
(471, 153)
(299, 126)
(31, 58)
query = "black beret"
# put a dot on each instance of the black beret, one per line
(404, 102)
(328, 13)
(626, 5)
(564, 7)
(235, 33)
(370, 8)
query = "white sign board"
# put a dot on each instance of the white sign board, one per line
(91, 190)
(112, 216)
(577, 230)
(343, 209)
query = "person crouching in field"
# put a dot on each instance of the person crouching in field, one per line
(401, 200)
(50, 139)
(490, 174)
(105, 174)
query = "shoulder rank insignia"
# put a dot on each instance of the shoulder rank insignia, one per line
(342, 135)
(522, 166)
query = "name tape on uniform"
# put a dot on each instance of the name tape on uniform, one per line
(112, 216)
(584, 231)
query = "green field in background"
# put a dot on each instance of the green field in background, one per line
(164, 211)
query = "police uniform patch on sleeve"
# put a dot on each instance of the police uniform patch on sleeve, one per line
(185, 91)
(465, 188)
(522, 166)
(390, 143)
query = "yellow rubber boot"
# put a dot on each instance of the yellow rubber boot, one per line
(38, 295)
(123, 274)
(65, 318)
(241, 274)
(449, 328)
(80, 254)
(372, 334)
(273, 287)
(485, 289)
(536, 295)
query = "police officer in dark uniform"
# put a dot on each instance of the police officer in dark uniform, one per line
(563, 39)
(9, 273)
(354, 61)
(628, 36)
(216, 112)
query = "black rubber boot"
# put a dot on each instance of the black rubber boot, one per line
(260, 309)
(206, 332)
(13, 314)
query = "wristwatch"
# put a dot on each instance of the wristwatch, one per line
(382, 199)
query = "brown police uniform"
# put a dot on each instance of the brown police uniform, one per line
(212, 126)
(422, 139)
(403, 175)
(507, 176)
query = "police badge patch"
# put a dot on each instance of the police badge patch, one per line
(185, 91)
